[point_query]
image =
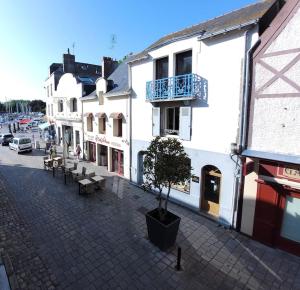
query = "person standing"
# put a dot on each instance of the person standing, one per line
(78, 151)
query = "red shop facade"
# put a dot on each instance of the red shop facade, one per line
(277, 210)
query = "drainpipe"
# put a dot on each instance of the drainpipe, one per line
(130, 122)
(82, 126)
(243, 131)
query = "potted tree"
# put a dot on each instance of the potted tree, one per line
(165, 164)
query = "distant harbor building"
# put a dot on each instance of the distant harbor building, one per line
(66, 84)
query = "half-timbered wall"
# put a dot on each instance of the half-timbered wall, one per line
(275, 115)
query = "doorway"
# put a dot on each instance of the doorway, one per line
(211, 188)
(92, 151)
(118, 161)
(140, 168)
(77, 139)
(102, 157)
(277, 216)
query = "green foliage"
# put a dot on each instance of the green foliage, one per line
(23, 105)
(165, 164)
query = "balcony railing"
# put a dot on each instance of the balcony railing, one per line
(183, 87)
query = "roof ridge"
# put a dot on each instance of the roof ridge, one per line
(221, 15)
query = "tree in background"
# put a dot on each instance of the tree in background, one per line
(23, 106)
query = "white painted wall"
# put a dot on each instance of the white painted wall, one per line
(110, 105)
(214, 125)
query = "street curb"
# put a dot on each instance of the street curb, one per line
(6, 261)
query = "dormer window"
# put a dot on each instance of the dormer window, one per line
(89, 121)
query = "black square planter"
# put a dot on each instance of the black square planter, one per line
(162, 234)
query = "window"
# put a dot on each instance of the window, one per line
(162, 73)
(73, 105)
(51, 92)
(89, 121)
(183, 63)
(47, 91)
(60, 106)
(162, 68)
(184, 186)
(51, 109)
(100, 98)
(117, 127)
(172, 121)
(102, 125)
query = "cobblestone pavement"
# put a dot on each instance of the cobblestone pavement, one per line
(56, 239)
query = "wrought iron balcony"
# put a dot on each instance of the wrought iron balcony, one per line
(183, 87)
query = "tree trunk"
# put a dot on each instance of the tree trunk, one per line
(160, 209)
(167, 199)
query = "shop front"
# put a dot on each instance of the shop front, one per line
(277, 209)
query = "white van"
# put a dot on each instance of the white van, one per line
(21, 144)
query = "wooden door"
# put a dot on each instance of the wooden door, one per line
(92, 151)
(211, 187)
(266, 217)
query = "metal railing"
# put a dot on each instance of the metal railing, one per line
(189, 86)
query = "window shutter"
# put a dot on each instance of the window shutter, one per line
(185, 123)
(155, 121)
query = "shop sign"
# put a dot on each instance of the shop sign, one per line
(65, 123)
(290, 173)
(125, 141)
(101, 139)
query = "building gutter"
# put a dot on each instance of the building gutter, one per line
(118, 94)
(229, 29)
(239, 194)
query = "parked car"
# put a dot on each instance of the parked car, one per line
(6, 138)
(21, 144)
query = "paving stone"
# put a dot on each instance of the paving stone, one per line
(56, 239)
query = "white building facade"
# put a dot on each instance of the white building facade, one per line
(107, 121)
(67, 83)
(189, 86)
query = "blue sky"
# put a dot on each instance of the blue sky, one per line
(35, 33)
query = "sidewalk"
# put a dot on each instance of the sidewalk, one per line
(58, 239)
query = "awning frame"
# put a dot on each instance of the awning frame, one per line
(116, 115)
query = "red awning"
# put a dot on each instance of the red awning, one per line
(24, 121)
(116, 115)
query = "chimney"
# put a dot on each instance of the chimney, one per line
(108, 66)
(69, 63)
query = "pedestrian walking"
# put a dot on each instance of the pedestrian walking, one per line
(78, 151)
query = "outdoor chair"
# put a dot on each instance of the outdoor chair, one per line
(81, 175)
(47, 163)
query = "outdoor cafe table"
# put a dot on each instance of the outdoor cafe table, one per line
(85, 183)
(97, 179)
